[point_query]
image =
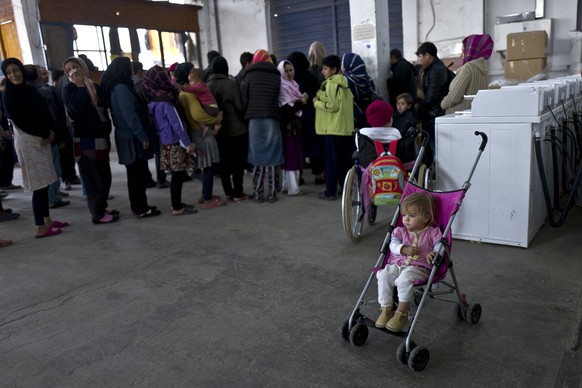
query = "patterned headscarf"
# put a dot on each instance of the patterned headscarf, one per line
(158, 87)
(89, 84)
(181, 72)
(359, 81)
(477, 46)
(261, 56)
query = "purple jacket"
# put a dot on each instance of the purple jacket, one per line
(168, 123)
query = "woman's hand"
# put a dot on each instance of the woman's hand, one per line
(190, 149)
(146, 145)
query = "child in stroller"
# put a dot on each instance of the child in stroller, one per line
(412, 249)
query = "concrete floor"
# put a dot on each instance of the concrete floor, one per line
(254, 295)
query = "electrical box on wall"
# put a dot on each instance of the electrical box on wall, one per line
(502, 30)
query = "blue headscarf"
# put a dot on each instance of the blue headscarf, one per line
(359, 81)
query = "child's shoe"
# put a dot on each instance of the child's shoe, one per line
(398, 321)
(385, 314)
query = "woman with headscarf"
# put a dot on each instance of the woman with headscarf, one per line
(90, 136)
(33, 131)
(472, 76)
(361, 85)
(309, 84)
(176, 147)
(260, 94)
(232, 138)
(291, 103)
(208, 153)
(132, 138)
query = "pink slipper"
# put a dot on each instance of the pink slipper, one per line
(49, 232)
(58, 224)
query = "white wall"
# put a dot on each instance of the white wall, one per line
(369, 38)
(455, 19)
(243, 27)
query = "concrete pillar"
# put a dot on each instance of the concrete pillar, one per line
(371, 39)
(26, 19)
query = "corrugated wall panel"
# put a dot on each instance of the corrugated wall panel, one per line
(395, 20)
(295, 24)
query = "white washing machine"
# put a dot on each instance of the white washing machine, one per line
(505, 203)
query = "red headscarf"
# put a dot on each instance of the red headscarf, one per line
(477, 46)
(262, 56)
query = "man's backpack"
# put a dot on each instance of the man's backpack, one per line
(387, 179)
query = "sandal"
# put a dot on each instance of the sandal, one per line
(58, 224)
(9, 216)
(5, 243)
(107, 219)
(49, 232)
(150, 213)
(272, 198)
(298, 194)
(213, 204)
(184, 211)
(202, 201)
(242, 198)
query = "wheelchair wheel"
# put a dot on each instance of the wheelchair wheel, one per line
(352, 206)
(424, 177)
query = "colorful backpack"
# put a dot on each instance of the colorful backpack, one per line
(387, 179)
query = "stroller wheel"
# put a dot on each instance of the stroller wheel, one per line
(474, 313)
(418, 358)
(359, 334)
(401, 352)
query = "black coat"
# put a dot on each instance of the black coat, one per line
(403, 80)
(260, 91)
(435, 85)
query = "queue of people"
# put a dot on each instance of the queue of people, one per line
(277, 118)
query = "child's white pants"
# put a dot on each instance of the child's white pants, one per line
(291, 181)
(403, 277)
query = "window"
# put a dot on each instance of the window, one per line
(101, 44)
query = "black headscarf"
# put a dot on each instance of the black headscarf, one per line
(219, 66)
(181, 72)
(118, 73)
(25, 106)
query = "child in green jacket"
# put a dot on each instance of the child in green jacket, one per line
(334, 119)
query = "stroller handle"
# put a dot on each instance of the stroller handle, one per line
(483, 142)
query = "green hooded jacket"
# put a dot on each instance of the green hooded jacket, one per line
(334, 108)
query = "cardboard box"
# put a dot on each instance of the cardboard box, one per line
(524, 69)
(526, 45)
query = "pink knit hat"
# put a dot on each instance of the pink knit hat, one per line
(379, 113)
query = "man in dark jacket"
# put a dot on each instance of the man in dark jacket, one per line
(403, 79)
(435, 86)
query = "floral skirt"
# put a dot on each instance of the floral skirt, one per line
(175, 158)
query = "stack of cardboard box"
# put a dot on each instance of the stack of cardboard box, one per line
(526, 54)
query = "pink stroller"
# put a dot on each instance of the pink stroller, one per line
(355, 328)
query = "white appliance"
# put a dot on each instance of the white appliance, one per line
(505, 204)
